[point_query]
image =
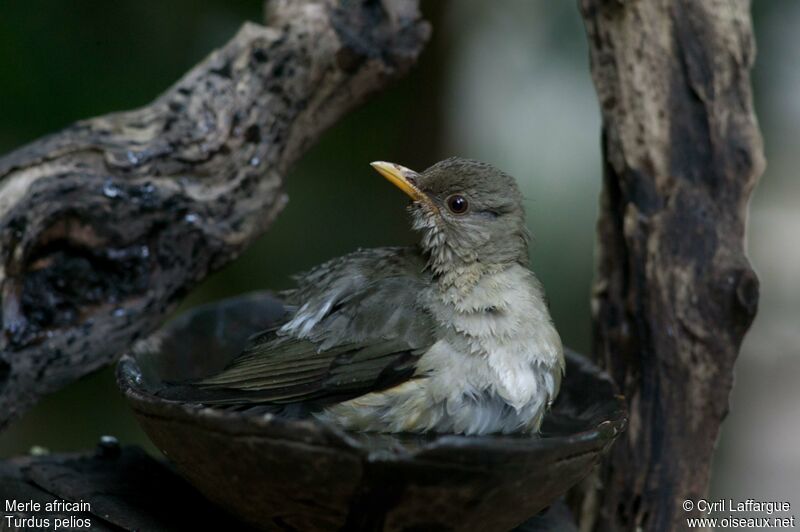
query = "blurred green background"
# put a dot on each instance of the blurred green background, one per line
(509, 85)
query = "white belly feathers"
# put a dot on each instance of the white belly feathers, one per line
(495, 368)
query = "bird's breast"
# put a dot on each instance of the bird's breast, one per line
(494, 366)
(496, 338)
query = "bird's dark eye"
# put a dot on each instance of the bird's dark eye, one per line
(457, 204)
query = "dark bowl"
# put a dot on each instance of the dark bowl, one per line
(302, 474)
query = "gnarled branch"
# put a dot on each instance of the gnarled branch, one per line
(105, 225)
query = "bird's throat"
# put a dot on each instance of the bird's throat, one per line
(462, 278)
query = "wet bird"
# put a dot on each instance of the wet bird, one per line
(452, 336)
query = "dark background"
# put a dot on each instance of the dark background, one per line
(504, 82)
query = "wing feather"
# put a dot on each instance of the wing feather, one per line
(357, 327)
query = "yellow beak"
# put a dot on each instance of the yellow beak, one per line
(402, 178)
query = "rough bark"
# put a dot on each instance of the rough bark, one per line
(106, 224)
(674, 293)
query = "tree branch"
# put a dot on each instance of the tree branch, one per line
(105, 225)
(674, 293)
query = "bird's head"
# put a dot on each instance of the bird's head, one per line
(468, 212)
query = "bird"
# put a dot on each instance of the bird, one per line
(452, 335)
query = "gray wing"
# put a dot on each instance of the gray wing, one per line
(357, 327)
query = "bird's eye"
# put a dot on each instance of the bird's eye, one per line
(457, 204)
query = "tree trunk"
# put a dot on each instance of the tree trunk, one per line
(674, 293)
(105, 225)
